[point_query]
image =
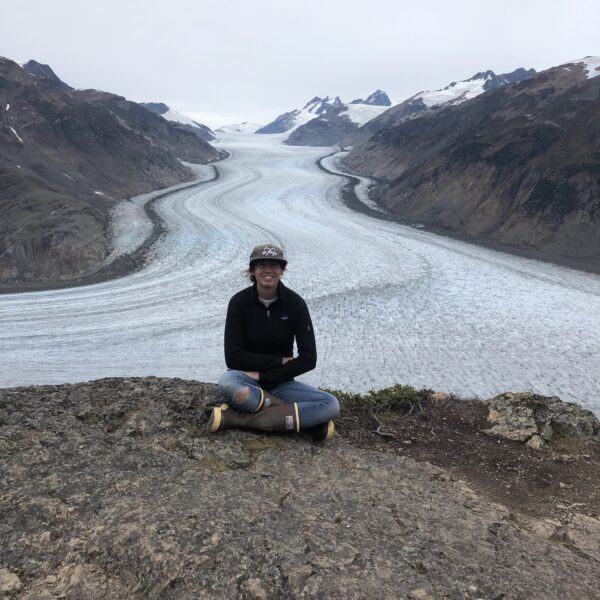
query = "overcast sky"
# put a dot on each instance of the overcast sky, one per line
(226, 61)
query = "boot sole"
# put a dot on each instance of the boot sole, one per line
(215, 418)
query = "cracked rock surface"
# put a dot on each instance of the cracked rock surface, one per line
(114, 489)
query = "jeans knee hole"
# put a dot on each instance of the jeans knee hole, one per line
(241, 395)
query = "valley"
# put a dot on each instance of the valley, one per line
(390, 303)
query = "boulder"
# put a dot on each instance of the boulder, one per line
(535, 419)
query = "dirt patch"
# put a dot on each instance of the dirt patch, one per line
(449, 433)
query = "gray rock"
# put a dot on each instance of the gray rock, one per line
(9, 582)
(535, 419)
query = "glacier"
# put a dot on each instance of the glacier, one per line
(389, 303)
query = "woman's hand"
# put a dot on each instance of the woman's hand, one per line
(286, 359)
(252, 374)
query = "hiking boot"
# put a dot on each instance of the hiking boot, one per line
(275, 418)
(323, 432)
(267, 400)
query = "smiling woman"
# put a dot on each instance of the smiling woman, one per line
(259, 387)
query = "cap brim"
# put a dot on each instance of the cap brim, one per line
(283, 263)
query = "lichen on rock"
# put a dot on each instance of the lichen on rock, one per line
(535, 419)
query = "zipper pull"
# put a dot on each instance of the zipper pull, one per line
(268, 313)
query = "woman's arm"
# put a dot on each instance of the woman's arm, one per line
(307, 350)
(235, 356)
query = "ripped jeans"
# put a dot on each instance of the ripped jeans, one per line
(314, 405)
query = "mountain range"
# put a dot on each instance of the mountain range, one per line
(455, 93)
(321, 121)
(518, 165)
(66, 157)
(510, 159)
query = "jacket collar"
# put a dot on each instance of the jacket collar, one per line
(280, 291)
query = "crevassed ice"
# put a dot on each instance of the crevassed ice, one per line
(390, 304)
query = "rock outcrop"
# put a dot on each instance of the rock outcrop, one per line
(114, 489)
(535, 420)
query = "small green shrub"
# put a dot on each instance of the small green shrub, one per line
(397, 398)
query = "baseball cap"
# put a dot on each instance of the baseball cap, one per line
(267, 252)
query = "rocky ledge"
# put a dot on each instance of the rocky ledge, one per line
(114, 489)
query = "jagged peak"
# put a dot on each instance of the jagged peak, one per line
(378, 98)
(37, 69)
(315, 100)
(489, 74)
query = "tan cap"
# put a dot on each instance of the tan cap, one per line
(267, 252)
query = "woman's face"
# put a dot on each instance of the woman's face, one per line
(267, 274)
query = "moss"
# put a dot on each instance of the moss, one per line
(214, 463)
(261, 443)
(169, 442)
(394, 399)
(567, 445)
(513, 520)
(89, 418)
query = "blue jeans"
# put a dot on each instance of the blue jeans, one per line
(314, 406)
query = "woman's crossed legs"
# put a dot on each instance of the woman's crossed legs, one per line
(244, 394)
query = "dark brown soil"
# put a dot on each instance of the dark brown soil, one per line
(449, 433)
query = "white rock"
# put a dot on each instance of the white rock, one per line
(9, 582)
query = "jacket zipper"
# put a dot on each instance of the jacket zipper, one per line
(268, 313)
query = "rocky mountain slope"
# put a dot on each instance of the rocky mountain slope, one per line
(33, 67)
(202, 131)
(66, 156)
(518, 165)
(454, 93)
(114, 489)
(324, 122)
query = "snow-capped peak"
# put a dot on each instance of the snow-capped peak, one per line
(318, 105)
(168, 113)
(378, 98)
(459, 91)
(173, 115)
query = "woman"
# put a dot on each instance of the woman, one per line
(259, 387)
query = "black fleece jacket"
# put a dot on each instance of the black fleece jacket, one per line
(257, 338)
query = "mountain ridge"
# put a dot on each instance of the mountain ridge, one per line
(66, 156)
(202, 131)
(454, 93)
(517, 165)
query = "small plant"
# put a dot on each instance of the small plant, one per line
(395, 399)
